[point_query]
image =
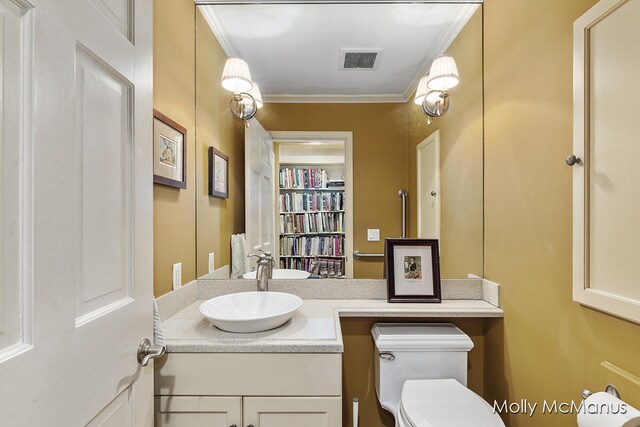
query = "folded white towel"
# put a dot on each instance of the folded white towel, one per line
(239, 261)
(158, 335)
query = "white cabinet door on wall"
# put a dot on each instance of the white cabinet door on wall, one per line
(292, 411)
(197, 411)
(606, 194)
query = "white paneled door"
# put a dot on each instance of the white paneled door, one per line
(260, 189)
(428, 168)
(75, 212)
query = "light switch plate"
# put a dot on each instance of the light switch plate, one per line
(373, 234)
(212, 263)
(177, 276)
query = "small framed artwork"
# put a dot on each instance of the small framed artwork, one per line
(412, 268)
(218, 173)
(169, 152)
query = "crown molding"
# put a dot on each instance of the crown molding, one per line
(239, 2)
(334, 98)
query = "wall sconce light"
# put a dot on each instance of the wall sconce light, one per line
(433, 90)
(246, 98)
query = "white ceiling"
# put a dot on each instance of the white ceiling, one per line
(293, 50)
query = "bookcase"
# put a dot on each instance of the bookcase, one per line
(312, 222)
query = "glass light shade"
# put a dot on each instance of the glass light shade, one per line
(236, 77)
(421, 91)
(443, 74)
(257, 96)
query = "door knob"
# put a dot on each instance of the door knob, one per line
(572, 160)
(147, 351)
(433, 193)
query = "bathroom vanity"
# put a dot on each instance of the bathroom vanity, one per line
(289, 376)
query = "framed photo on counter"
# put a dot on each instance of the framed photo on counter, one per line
(412, 269)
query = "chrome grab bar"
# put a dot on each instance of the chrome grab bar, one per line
(357, 254)
(403, 195)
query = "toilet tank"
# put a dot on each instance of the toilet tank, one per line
(417, 351)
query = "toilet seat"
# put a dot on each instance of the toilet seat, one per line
(443, 403)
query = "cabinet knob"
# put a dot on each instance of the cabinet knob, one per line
(572, 160)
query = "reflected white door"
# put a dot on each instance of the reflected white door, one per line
(428, 175)
(259, 194)
(75, 212)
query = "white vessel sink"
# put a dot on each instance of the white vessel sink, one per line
(246, 312)
(281, 273)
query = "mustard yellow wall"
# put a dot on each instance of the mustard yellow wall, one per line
(379, 167)
(461, 163)
(358, 367)
(547, 346)
(217, 218)
(174, 230)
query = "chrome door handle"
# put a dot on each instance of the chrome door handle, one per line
(387, 356)
(147, 351)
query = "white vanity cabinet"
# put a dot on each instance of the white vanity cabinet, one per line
(259, 389)
(197, 411)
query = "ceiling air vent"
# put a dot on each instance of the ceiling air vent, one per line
(360, 59)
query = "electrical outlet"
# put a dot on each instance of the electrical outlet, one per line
(177, 276)
(373, 234)
(212, 264)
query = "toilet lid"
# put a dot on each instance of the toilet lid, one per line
(445, 403)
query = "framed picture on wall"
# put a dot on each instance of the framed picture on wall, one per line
(218, 173)
(412, 269)
(169, 152)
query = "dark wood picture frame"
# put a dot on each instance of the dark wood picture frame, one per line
(212, 186)
(159, 179)
(390, 273)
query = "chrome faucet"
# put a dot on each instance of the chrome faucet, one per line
(265, 269)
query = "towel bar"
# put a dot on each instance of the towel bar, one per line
(357, 254)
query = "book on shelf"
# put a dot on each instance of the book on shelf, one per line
(309, 222)
(311, 246)
(336, 183)
(304, 202)
(318, 267)
(303, 178)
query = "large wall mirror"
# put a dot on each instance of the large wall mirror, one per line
(322, 169)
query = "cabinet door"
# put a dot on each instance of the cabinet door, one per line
(292, 411)
(606, 194)
(193, 411)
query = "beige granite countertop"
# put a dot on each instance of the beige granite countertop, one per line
(315, 328)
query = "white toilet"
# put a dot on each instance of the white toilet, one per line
(421, 376)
